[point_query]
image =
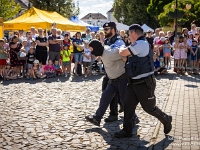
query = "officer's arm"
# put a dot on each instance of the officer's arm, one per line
(124, 51)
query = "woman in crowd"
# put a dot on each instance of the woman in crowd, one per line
(41, 48)
(98, 36)
(15, 47)
(126, 40)
(78, 48)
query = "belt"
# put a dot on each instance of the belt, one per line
(142, 80)
(120, 77)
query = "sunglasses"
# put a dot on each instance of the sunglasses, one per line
(106, 29)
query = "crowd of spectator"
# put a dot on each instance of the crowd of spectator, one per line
(34, 55)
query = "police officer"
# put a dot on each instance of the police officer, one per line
(112, 38)
(141, 85)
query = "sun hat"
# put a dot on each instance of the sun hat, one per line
(36, 61)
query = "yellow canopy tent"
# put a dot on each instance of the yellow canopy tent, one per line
(41, 19)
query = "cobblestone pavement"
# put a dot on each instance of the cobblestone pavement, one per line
(49, 114)
(184, 106)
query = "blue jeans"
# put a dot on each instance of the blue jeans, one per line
(108, 94)
(78, 57)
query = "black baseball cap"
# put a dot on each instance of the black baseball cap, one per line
(136, 27)
(109, 24)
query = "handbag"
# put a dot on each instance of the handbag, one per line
(19, 55)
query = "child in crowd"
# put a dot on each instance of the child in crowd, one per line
(176, 55)
(66, 55)
(184, 51)
(25, 46)
(167, 52)
(9, 73)
(57, 67)
(158, 65)
(2, 58)
(30, 58)
(193, 56)
(50, 70)
(86, 59)
(35, 69)
(33, 44)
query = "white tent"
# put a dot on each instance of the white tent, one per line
(146, 28)
(121, 26)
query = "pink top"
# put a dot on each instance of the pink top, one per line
(49, 68)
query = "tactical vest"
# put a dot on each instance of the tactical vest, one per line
(112, 40)
(136, 66)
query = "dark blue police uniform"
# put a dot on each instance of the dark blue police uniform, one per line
(141, 86)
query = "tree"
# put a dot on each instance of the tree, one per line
(64, 7)
(155, 7)
(188, 15)
(9, 9)
(133, 11)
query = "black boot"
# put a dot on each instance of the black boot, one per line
(111, 118)
(164, 119)
(122, 134)
(92, 120)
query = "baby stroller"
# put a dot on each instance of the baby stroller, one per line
(97, 66)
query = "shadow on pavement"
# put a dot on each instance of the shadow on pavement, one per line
(119, 143)
(162, 145)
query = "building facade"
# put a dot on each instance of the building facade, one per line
(95, 19)
(110, 15)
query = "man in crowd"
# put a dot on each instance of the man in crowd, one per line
(55, 43)
(141, 82)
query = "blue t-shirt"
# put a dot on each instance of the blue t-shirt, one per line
(166, 49)
(157, 64)
(79, 42)
(194, 48)
(57, 66)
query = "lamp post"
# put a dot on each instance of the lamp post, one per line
(177, 14)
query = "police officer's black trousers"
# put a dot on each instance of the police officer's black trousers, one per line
(141, 91)
(114, 101)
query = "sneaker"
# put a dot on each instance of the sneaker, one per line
(65, 75)
(111, 118)
(92, 120)
(166, 66)
(122, 134)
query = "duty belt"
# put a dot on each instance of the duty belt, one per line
(142, 80)
(115, 80)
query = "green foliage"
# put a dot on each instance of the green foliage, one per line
(64, 7)
(133, 11)
(188, 17)
(9, 9)
(155, 7)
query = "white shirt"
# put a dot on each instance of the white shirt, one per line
(86, 52)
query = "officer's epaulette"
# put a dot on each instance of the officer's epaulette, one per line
(119, 37)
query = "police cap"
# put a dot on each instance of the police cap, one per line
(136, 27)
(109, 24)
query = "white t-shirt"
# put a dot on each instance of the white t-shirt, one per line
(86, 52)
